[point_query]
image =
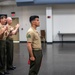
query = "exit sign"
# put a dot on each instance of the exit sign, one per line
(12, 13)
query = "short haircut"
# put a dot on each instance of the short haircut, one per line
(9, 18)
(3, 16)
(33, 18)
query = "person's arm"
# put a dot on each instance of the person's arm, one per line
(13, 32)
(29, 45)
(32, 58)
(2, 30)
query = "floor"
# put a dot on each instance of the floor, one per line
(58, 59)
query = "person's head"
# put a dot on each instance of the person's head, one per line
(34, 20)
(9, 20)
(3, 20)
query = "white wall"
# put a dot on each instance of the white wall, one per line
(23, 13)
(34, 10)
(49, 24)
(63, 21)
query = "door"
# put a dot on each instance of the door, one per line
(15, 21)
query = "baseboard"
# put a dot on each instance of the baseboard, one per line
(63, 41)
(16, 41)
(52, 42)
(43, 42)
(49, 42)
(23, 41)
(26, 42)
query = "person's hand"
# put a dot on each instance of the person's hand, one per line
(17, 26)
(5, 28)
(11, 29)
(32, 58)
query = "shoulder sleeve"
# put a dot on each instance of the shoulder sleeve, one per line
(29, 37)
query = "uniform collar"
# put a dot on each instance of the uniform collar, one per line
(33, 28)
(8, 24)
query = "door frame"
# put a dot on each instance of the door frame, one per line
(18, 30)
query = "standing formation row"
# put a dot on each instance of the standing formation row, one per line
(6, 44)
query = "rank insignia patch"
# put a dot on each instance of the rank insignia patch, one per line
(28, 36)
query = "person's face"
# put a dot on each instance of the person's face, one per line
(3, 21)
(9, 21)
(36, 22)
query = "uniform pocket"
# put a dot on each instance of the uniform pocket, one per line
(36, 38)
